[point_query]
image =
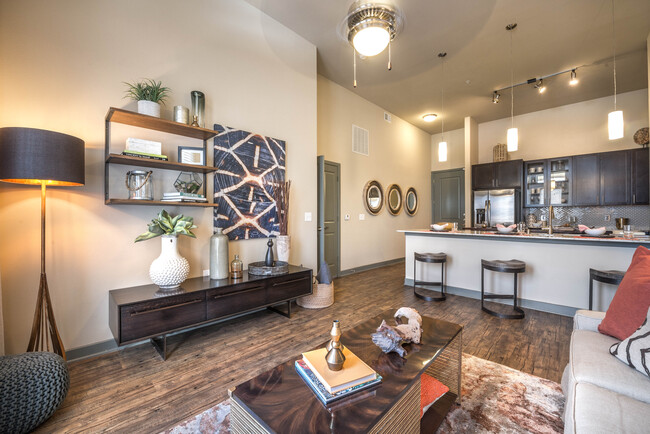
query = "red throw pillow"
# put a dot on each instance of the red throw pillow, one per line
(430, 390)
(630, 304)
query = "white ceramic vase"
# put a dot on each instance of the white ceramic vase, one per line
(169, 269)
(149, 108)
(283, 245)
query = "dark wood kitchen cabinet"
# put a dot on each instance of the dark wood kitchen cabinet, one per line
(586, 180)
(640, 179)
(140, 312)
(614, 178)
(504, 174)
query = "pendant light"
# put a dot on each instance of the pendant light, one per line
(615, 118)
(442, 146)
(513, 133)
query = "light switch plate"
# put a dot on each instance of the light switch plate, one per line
(347, 217)
(307, 216)
(362, 216)
(206, 273)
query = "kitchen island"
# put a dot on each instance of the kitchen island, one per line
(557, 266)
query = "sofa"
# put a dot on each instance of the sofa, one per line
(603, 394)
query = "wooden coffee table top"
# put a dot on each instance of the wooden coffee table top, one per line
(282, 402)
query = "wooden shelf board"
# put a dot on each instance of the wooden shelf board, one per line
(158, 203)
(143, 121)
(158, 164)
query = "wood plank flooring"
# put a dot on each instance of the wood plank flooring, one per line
(133, 390)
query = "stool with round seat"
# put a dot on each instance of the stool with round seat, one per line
(613, 277)
(512, 266)
(431, 258)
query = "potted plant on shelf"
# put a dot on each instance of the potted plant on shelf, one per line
(281, 190)
(170, 269)
(149, 94)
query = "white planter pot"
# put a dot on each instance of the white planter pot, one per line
(149, 108)
(283, 245)
(169, 269)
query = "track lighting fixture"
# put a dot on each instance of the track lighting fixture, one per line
(574, 78)
(540, 86)
(538, 83)
(429, 117)
(495, 97)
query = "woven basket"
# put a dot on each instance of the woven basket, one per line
(500, 152)
(323, 296)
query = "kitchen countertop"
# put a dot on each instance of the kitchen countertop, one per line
(560, 238)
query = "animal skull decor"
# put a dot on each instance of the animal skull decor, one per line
(390, 338)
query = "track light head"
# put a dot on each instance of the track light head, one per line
(495, 97)
(540, 86)
(574, 78)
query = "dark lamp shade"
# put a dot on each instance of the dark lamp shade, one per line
(33, 156)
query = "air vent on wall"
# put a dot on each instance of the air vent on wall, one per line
(360, 140)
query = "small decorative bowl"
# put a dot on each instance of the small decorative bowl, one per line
(439, 227)
(595, 231)
(505, 230)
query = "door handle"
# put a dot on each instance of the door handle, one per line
(320, 229)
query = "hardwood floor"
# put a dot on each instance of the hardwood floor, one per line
(133, 390)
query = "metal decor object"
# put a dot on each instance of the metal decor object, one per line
(198, 107)
(181, 114)
(139, 185)
(335, 358)
(261, 269)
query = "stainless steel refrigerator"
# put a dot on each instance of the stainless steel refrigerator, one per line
(500, 206)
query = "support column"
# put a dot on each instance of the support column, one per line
(471, 157)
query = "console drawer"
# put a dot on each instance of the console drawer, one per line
(246, 297)
(284, 288)
(156, 317)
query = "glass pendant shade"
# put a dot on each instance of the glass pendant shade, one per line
(371, 40)
(513, 139)
(442, 151)
(615, 125)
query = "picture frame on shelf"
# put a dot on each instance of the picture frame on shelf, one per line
(191, 155)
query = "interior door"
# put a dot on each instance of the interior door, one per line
(329, 220)
(448, 196)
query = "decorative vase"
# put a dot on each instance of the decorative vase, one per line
(237, 268)
(169, 269)
(219, 255)
(283, 244)
(149, 108)
(198, 107)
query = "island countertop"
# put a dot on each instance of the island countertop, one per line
(558, 238)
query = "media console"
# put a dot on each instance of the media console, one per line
(136, 313)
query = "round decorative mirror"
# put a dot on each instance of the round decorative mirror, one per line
(394, 199)
(373, 197)
(411, 202)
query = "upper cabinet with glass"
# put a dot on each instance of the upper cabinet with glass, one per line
(535, 183)
(560, 181)
(548, 182)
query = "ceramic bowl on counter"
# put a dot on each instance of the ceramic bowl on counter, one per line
(595, 231)
(441, 227)
(506, 229)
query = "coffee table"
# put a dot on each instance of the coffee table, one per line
(279, 400)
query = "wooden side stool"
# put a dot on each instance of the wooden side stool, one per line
(512, 266)
(612, 277)
(431, 258)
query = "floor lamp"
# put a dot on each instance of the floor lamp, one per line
(45, 158)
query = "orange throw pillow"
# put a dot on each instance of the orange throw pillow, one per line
(430, 390)
(630, 304)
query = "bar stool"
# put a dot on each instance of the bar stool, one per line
(512, 266)
(613, 277)
(431, 258)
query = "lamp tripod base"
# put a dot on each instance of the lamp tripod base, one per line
(44, 332)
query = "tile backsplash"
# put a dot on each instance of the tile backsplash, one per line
(639, 215)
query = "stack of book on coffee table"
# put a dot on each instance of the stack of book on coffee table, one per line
(330, 386)
(183, 197)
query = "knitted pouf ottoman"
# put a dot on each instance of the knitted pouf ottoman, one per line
(32, 387)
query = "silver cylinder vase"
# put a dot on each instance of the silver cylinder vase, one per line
(219, 259)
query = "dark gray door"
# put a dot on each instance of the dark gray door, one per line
(329, 216)
(448, 196)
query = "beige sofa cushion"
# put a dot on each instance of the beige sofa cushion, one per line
(598, 410)
(590, 362)
(587, 320)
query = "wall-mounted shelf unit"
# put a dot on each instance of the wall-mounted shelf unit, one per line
(126, 117)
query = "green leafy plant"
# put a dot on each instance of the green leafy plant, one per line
(165, 224)
(147, 90)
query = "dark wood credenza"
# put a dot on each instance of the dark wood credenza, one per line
(136, 313)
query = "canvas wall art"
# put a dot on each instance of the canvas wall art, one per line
(247, 163)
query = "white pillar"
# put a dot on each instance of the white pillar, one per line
(471, 157)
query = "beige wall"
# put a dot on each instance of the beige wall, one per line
(455, 150)
(573, 129)
(399, 154)
(63, 64)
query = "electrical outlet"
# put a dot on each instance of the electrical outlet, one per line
(608, 217)
(362, 216)
(307, 216)
(206, 273)
(347, 217)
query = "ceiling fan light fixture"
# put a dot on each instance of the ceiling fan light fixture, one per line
(371, 40)
(429, 117)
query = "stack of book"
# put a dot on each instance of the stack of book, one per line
(142, 148)
(183, 197)
(330, 386)
(145, 155)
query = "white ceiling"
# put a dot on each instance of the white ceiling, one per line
(551, 36)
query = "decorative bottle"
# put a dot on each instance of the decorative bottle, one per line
(198, 107)
(269, 261)
(237, 268)
(219, 255)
